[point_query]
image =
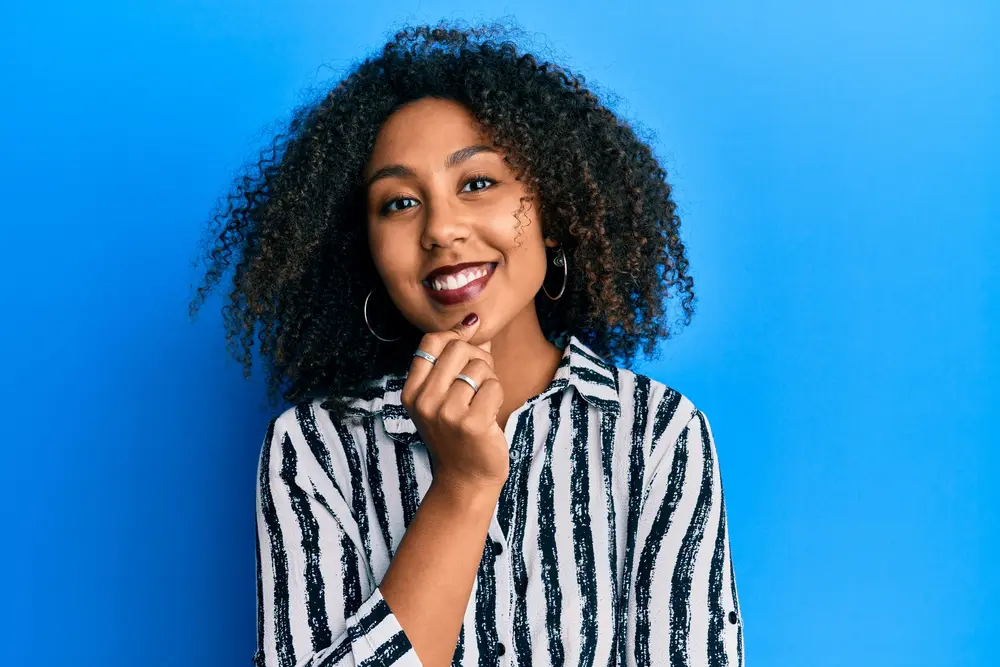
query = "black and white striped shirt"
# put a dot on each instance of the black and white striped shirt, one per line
(608, 545)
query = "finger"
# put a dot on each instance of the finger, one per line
(486, 404)
(420, 377)
(455, 358)
(469, 332)
(460, 393)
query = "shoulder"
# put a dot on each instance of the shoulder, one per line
(308, 415)
(654, 400)
(306, 439)
(290, 422)
(283, 436)
(664, 419)
(652, 409)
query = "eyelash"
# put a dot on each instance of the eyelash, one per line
(472, 179)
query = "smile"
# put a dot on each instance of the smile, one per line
(451, 290)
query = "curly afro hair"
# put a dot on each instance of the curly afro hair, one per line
(294, 224)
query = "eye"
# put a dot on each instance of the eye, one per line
(475, 178)
(478, 178)
(386, 208)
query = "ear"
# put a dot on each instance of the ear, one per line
(552, 243)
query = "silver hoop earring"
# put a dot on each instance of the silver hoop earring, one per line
(560, 260)
(368, 324)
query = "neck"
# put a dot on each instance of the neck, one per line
(525, 362)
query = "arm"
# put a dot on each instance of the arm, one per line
(430, 580)
(682, 604)
(310, 563)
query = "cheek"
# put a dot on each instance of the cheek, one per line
(390, 255)
(524, 252)
(526, 265)
(399, 270)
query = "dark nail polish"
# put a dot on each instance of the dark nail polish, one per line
(470, 319)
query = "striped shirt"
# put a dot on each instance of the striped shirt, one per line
(608, 544)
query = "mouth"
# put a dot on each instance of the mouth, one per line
(453, 293)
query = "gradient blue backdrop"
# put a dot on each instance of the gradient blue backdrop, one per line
(837, 172)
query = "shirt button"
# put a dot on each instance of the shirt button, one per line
(497, 548)
(733, 618)
(501, 649)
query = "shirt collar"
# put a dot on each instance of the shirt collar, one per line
(594, 378)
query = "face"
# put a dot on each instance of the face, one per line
(441, 195)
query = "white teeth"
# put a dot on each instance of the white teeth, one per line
(460, 279)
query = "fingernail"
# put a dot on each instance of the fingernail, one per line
(470, 319)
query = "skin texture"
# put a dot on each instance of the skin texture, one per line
(293, 232)
(439, 215)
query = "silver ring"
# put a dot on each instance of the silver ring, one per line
(429, 357)
(472, 383)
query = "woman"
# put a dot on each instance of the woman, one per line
(443, 253)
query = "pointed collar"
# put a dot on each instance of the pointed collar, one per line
(594, 378)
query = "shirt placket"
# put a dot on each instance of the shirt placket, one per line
(502, 572)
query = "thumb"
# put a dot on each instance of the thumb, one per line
(466, 330)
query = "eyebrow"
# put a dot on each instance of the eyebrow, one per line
(455, 159)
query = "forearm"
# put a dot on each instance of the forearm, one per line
(430, 578)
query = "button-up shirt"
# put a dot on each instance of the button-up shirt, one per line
(608, 544)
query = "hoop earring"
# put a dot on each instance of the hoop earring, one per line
(368, 324)
(560, 260)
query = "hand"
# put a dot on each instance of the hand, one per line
(459, 425)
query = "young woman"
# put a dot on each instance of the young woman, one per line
(444, 255)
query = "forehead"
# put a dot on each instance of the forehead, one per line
(425, 129)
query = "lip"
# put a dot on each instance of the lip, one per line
(450, 297)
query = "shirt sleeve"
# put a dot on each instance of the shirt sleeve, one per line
(310, 612)
(682, 606)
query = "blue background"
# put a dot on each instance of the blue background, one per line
(837, 172)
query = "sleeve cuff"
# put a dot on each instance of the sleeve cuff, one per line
(376, 636)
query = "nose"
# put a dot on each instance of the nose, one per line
(443, 225)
